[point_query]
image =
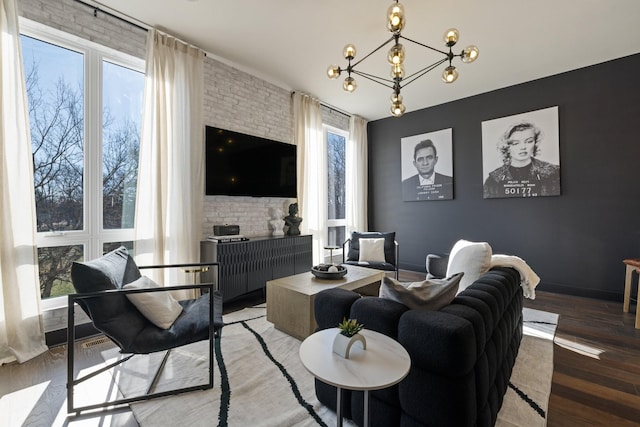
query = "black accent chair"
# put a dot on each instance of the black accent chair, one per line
(99, 283)
(351, 251)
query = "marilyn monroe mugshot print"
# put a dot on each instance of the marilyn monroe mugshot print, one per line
(520, 155)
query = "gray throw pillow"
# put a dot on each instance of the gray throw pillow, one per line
(430, 294)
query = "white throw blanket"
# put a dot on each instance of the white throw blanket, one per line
(528, 278)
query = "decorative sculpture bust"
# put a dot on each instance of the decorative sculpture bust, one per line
(277, 223)
(293, 220)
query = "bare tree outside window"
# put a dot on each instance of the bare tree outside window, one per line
(55, 269)
(336, 164)
(56, 125)
(120, 173)
(56, 116)
(121, 142)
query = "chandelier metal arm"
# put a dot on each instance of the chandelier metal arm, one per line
(373, 51)
(374, 78)
(415, 76)
(396, 22)
(424, 45)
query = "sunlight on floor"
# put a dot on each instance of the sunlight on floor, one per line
(539, 324)
(97, 389)
(583, 349)
(86, 420)
(538, 332)
(17, 406)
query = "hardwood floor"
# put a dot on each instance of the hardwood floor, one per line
(596, 379)
(34, 393)
(596, 376)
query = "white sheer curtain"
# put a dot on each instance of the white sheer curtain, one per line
(21, 330)
(312, 171)
(356, 176)
(170, 174)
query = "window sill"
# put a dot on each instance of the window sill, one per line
(53, 303)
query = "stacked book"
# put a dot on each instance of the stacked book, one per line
(228, 238)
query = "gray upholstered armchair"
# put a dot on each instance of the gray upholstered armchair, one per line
(355, 251)
(436, 265)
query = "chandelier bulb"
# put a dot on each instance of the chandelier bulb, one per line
(349, 52)
(470, 54)
(397, 71)
(397, 109)
(395, 17)
(333, 71)
(450, 74)
(349, 84)
(396, 98)
(396, 54)
(451, 37)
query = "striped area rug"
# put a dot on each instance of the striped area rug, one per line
(527, 398)
(260, 381)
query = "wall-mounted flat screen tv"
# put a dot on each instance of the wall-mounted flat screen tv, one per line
(243, 165)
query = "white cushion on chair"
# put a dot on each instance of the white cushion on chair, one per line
(471, 258)
(372, 250)
(160, 308)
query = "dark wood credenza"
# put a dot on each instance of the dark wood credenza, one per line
(247, 266)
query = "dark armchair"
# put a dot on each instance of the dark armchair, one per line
(356, 252)
(99, 285)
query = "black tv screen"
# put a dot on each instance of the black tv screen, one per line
(245, 165)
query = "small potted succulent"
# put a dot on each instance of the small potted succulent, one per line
(348, 335)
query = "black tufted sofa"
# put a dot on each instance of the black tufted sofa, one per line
(461, 356)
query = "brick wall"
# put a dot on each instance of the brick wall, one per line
(240, 102)
(252, 214)
(334, 118)
(77, 19)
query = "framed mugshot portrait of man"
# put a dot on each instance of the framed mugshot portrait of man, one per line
(427, 166)
(521, 155)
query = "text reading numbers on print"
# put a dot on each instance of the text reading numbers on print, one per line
(520, 191)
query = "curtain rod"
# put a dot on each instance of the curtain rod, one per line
(324, 104)
(336, 109)
(128, 19)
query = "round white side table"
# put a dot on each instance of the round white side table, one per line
(384, 363)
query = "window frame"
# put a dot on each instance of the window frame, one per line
(326, 129)
(93, 236)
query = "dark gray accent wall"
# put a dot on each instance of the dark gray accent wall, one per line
(575, 242)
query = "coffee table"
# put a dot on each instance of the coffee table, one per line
(384, 363)
(290, 299)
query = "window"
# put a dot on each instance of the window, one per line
(85, 112)
(336, 140)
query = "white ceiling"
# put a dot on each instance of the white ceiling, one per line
(292, 42)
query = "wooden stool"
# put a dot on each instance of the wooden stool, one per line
(632, 265)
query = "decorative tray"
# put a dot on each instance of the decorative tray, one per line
(321, 271)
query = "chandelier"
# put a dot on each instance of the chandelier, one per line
(395, 24)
